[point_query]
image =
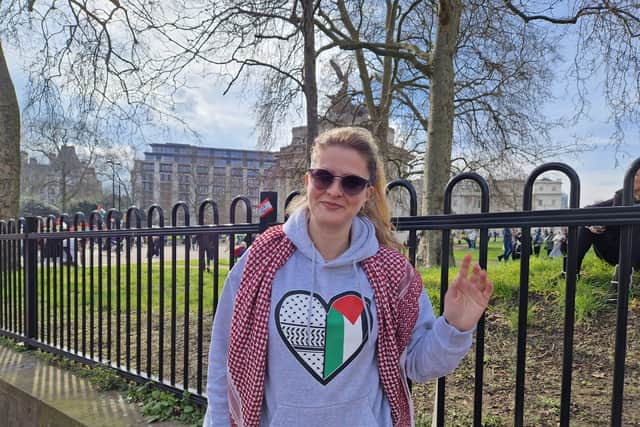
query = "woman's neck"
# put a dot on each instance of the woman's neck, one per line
(330, 243)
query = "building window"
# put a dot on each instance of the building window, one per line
(218, 190)
(252, 155)
(166, 167)
(183, 188)
(148, 167)
(235, 154)
(236, 172)
(219, 162)
(235, 163)
(203, 179)
(204, 152)
(147, 177)
(220, 171)
(553, 202)
(203, 189)
(203, 169)
(184, 168)
(554, 188)
(165, 177)
(147, 186)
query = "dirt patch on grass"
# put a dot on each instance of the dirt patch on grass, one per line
(592, 383)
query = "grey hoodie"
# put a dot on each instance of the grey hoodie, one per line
(322, 365)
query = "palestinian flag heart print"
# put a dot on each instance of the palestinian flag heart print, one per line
(329, 337)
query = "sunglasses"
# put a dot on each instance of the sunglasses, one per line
(352, 185)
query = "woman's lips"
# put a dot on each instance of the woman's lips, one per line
(331, 205)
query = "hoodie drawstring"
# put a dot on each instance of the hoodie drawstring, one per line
(310, 301)
(361, 291)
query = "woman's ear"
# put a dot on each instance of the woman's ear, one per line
(370, 190)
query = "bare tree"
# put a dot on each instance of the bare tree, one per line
(9, 144)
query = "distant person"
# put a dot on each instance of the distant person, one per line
(507, 244)
(537, 242)
(558, 238)
(547, 241)
(472, 239)
(606, 239)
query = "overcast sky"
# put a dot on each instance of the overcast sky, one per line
(227, 121)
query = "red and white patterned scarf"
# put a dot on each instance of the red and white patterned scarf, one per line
(396, 289)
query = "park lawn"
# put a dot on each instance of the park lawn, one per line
(545, 283)
(110, 286)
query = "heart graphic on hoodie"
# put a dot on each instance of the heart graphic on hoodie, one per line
(326, 337)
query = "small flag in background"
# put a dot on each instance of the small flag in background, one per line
(264, 208)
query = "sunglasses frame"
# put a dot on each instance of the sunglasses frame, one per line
(351, 193)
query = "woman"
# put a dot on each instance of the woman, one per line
(322, 320)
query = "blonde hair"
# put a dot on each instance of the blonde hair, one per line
(376, 209)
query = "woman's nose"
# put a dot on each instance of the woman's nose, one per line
(335, 188)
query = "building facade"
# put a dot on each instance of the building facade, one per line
(63, 179)
(179, 172)
(506, 195)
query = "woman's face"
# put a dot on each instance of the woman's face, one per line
(331, 207)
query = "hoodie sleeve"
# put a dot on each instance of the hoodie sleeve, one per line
(217, 406)
(436, 348)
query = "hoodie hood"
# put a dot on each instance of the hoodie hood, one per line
(364, 243)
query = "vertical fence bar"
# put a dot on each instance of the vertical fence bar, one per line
(83, 302)
(174, 278)
(93, 217)
(527, 204)
(187, 261)
(413, 211)
(31, 279)
(14, 285)
(444, 277)
(151, 249)
(624, 279)
(127, 325)
(62, 218)
(117, 249)
(79, 216)
(3, 269)
(66, 255)
(42, 281)
(46, 244)
(138, 294)
(206, 244)
(20, 276)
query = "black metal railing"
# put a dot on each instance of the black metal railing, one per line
(69, 291)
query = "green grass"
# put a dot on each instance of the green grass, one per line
(546, 282)
(110, 286)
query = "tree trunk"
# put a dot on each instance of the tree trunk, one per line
(9, 144)
(437, 168)
(310, 84)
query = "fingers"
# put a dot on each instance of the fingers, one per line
(464, 267)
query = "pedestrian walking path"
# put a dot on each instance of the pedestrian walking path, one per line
(34, 393)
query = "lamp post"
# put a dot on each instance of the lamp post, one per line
(113, 164)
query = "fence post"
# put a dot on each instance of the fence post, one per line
(267, 209)
(30, 278)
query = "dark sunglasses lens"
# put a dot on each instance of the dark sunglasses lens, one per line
(322, 179)
(353, 184)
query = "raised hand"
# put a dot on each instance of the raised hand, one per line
(467, 297)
